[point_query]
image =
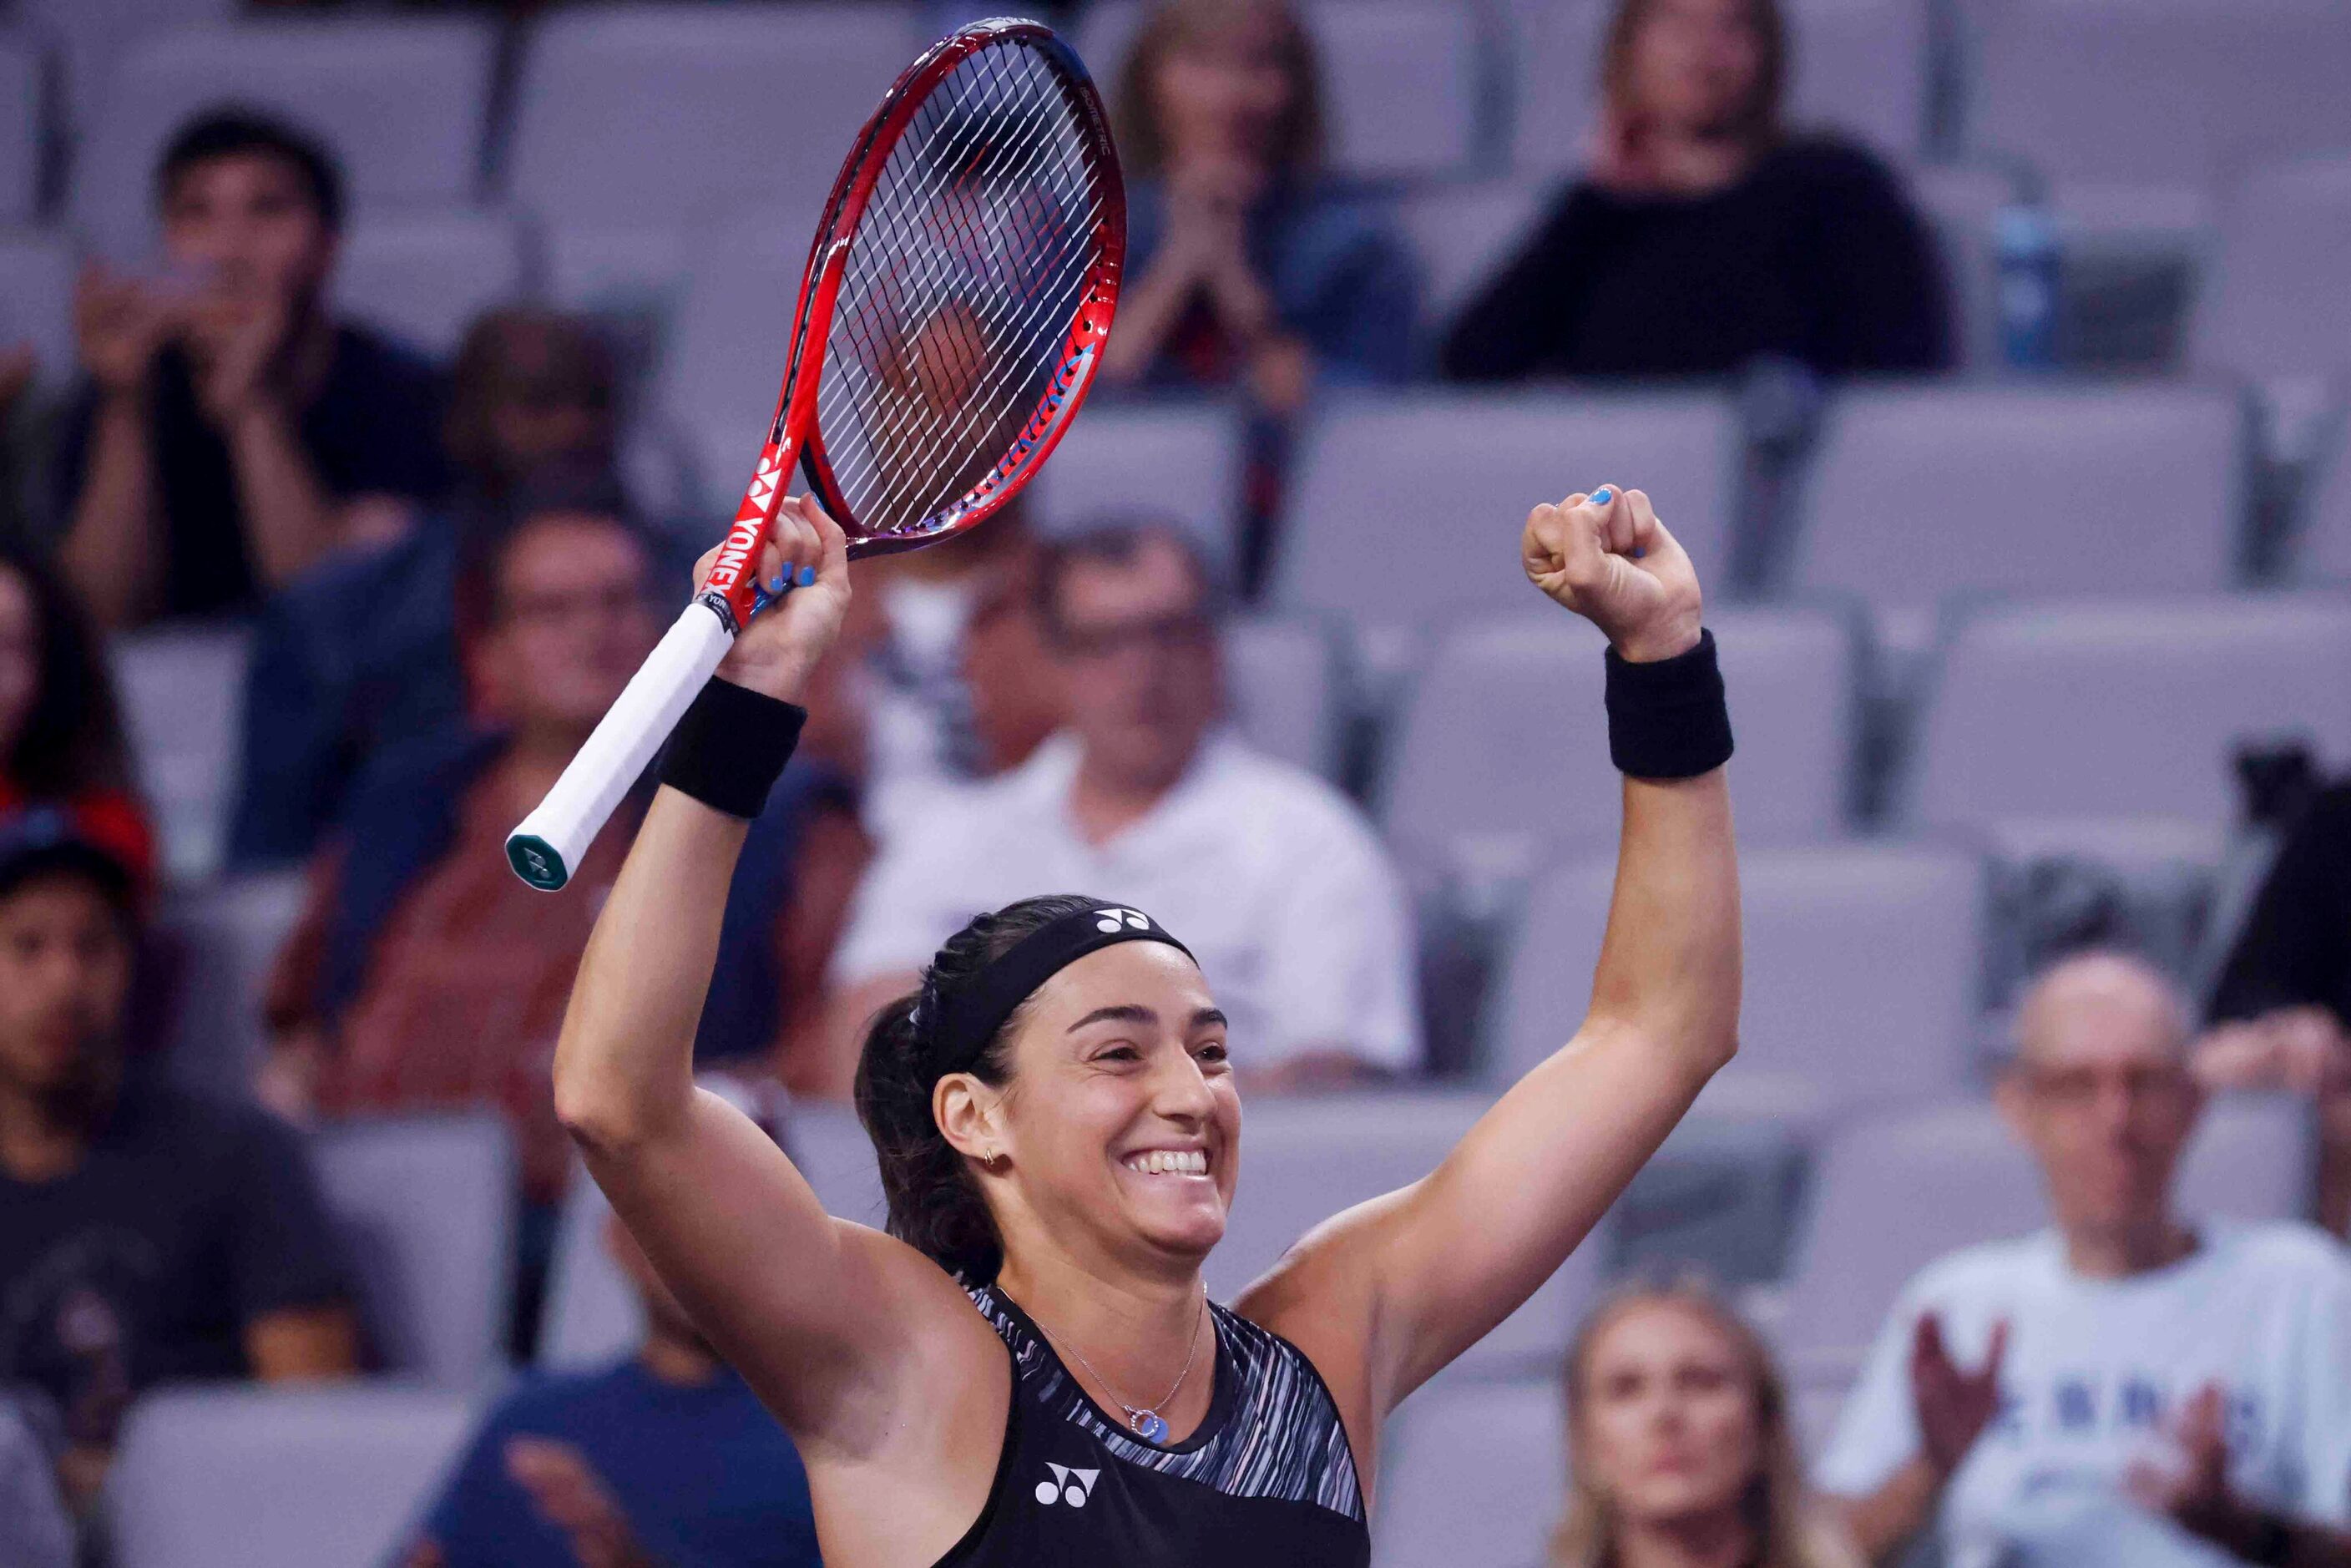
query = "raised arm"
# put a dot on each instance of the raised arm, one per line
(826, 1320)
(1420, 1275)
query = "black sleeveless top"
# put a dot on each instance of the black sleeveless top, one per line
(1268, 1479)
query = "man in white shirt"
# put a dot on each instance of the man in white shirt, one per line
(2127, 1387)
(1298, 920)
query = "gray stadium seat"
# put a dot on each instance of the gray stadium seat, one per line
(1858, 67)
(279, 1478)
(1861, 973)
(1307, 1157)
(1405, 509)
(428, 1205)
(591, 1316)
(222, 939)
(92, 36)
(1919, 492)
(2123, 708)
(20, 128)
(1168, 459)
(640, 112)
(183, 695)
(1503, 734)
(1893, 1193)
(2324, 550)
(619, 268)
(1400, 79)
(403, 104)
(36, 279)
(2158, 90)
(828, 1145)
(2273, 302)
(1461, 234)
(423, 276)
(1472, 1473)
(1282, 679)
(1962, 204)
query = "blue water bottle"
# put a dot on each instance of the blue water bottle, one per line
(2025, 240)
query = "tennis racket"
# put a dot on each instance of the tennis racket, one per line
(950, 318)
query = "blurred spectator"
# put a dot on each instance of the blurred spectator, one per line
(1682, 1445)
(1701, 235)
(2028, 1392)
(1273, 877)
(1246, 264)
(666, 1460)
(231, 433)
(2281, 1015)
(146, 1234)
(60, 734)
(361, 652)
(35, 1532)
(423, 973)
(19, 437)
(1008, 672)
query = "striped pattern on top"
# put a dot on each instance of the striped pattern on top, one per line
(1281, 1438)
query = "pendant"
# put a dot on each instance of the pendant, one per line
(1147, 1426)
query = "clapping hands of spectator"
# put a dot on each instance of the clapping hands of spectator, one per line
(118, 326)
(2194, 1492)
(239, 339)
(2303, 1048)
(570, 1496)
(1208, 203)
(1954, 1405)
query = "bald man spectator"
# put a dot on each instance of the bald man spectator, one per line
(2132, 1385)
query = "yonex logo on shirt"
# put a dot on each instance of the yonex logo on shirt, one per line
(1112, 919)
(1068, 1486)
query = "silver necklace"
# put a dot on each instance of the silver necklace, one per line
(1144, 1420)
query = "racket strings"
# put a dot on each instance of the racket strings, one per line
(964, 277)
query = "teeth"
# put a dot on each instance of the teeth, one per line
(1169, 1162)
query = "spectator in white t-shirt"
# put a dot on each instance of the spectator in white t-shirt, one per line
(1275, 881)
(2127, 1387)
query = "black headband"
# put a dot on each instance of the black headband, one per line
(964, 1027)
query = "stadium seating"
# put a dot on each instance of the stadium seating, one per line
(220, 940)
(1282, 680)
(255, 1478)
(1891, 1195)
(636, 113)
(182, 693)
(1472, 1473)
(590, 1316)
(1168, 459)
(1962, 204)
(92, 36)
(1860, 971)
(423, 276)
(620, 268)
(2170, 90)
(1406, 509)
(2273, 302)
(404, 104)
(2324, 553)
(1306, 1158)
(20, 131)
(2123, 707)
(37, 280)
(428, 1205)
(1503, 733)
(1461, 234)
(828, 1145)
(2125, 488)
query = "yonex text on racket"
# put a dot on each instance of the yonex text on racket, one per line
(953, 310)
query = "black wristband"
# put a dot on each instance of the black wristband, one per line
(1668, 719)
(729, 746)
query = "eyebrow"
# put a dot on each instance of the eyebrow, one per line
(1135, 1013)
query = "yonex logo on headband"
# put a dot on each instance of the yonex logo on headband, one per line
(1108, 920)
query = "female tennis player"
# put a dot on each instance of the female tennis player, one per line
(1026, 1370)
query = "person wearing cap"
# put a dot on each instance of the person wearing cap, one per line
(147, 1233)
(1025, 1369)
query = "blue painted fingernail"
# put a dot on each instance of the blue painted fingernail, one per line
(780, 583)
(1603, 495)
(808, 577)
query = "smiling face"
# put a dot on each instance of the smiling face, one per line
(1118, 1133)
(1668, 1425)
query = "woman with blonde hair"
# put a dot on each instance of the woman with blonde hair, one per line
(1684, 1452)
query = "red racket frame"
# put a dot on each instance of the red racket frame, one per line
(794, 437)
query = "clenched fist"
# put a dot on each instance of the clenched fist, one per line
(1606, 557)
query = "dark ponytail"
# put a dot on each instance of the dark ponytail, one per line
(935, 1205)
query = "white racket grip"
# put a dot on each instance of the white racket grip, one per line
(546, 846)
